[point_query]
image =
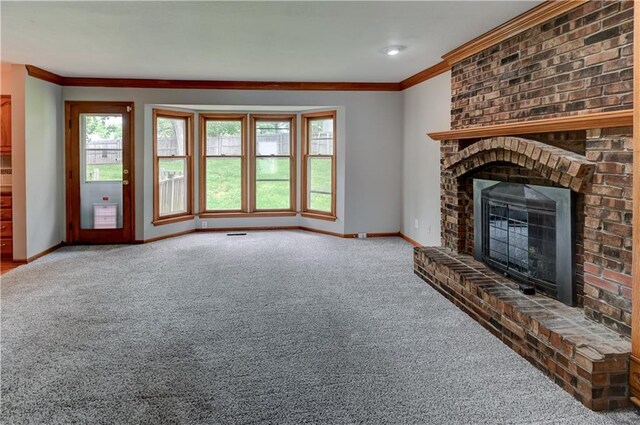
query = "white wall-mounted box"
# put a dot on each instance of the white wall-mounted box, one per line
(105, 216)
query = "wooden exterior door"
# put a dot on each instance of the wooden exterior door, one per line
(99, 172)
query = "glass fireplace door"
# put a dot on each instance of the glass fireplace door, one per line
(521, 241)
(526, 233)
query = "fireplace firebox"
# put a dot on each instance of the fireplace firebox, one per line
(526, 232)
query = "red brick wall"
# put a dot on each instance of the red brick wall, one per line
(577, 62)
(607, 233)
(454, 201)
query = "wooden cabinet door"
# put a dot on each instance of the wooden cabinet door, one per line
(5, 125)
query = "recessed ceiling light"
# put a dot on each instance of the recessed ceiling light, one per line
(393, 50)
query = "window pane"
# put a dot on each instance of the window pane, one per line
(172, 186)
(224, 183)
(273, 183)
(102, 147)
(101, 162)
(321, 137)
(171, 136)
(320, 184)
(224, 138)
(273, 137)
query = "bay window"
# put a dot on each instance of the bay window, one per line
(223, 163)
(319, 165)
(172, 166)
(273, 163)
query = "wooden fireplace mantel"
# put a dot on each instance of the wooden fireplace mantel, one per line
(613, 119)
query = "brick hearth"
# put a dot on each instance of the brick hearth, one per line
(588, 360)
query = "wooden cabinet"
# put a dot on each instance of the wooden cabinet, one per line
(5, 125)
(6, 227)
(6, 216)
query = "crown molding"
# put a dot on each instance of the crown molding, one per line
(612, 119)
(522, 22)
(425, 75)
(229, 85)
(147, 83)
(43, 74)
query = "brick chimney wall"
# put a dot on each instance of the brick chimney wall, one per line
(577, 62)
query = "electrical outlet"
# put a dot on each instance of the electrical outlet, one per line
(416, 223)
(204, 224)
(362, 235)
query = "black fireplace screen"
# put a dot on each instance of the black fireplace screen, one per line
(520, 234)
(526, 232)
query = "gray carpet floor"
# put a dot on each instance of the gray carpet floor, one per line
(272, 327)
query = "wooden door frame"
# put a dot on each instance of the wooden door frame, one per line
(69, 186)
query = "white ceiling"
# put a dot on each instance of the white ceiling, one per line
(258, 41)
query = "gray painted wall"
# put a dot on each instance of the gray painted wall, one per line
(388, 168)
(426, 108)
(371, 127)
(44, 151)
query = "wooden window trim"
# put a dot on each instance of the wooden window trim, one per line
(292, 118)
(173, 219)
(305, 211)
(204, 212)
(321, 216)
(188, 214)
(249, 214)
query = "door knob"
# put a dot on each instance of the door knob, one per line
(125, 182)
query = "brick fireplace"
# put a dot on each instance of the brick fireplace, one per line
(578, 63)
(602, 189)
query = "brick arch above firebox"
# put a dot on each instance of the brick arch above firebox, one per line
(566, 168)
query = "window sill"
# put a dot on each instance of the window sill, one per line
(247, 215)
(327, 217)
(169, 220)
